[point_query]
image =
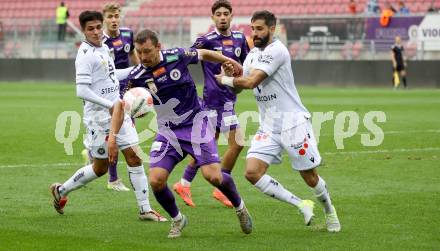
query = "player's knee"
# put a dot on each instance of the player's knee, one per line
(157, 182)
(310, 177)
(134, 160)
(214, 179)
(252, 175)
(99, 171)
(236, 148)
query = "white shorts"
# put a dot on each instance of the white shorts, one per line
(97, 137)
(299, 143)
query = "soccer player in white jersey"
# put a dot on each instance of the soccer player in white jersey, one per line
(97, 84)
(284, 122)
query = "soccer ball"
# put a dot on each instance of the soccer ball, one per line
(138, 102)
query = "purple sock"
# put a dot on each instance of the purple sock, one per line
(226, 171)
(190, 172)
(166, 199)
(113, 173)
(229, 190)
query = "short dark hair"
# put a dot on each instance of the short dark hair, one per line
(268, 17)
(88, 15)
(143, 35)
(221, 3)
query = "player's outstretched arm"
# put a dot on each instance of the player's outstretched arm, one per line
(212, 56)
(117, 112)
(122, 74)
(84, 92)
(248, 82)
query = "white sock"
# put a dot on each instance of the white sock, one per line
(185, 183)
(273, 188)
(240, 206)
(323, 195)
(81, 177)
(138, 180)
(178, 217)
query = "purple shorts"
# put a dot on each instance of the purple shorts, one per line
(226, 118)
(167, 152)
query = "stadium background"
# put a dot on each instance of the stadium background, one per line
(387, 196)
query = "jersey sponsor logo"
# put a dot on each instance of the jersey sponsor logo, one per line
(125, 34)
(117, 43)
(172, 58)
(109, 90)
(265, 98)
(162, 79)
(227, 42)
(237, 51)
(175, 74)
(127, 48)
(85, 51)
(267, 59)
(190, 53)
(228, 49)
(237, 35)
(159, 72)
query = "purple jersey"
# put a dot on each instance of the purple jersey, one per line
(173, 89)
(120, 47)
(235, 47)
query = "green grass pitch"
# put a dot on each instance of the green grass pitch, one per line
(387, 196)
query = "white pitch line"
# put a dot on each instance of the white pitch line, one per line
(386, 151)
(68, 164)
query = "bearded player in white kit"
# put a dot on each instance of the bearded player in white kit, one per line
(284, 122)
(97, 84)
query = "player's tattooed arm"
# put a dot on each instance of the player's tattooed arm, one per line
(249, 82)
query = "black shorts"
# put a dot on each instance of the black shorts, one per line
(400, 67)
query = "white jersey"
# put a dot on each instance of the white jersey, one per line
(95, 67)
(277, 98)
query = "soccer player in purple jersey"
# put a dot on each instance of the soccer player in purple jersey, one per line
(120, 42)
(184, 128)
(221, 99)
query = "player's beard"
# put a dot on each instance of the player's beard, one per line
(261, 42)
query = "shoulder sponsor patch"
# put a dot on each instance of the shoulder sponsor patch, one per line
(238, 35)
(125, 34)
(172, 58)
(159, 72)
